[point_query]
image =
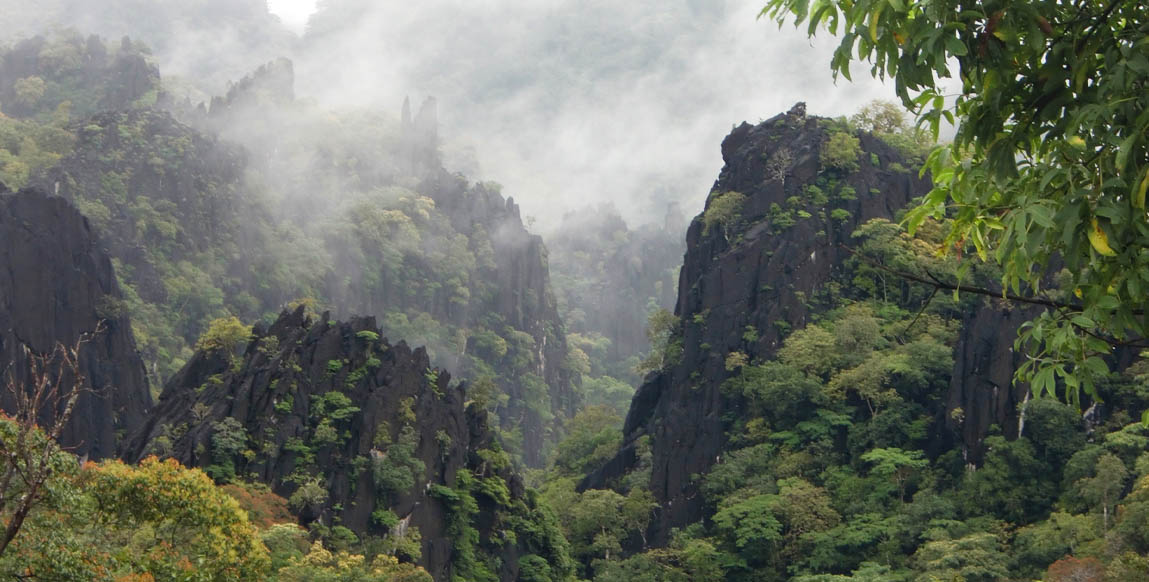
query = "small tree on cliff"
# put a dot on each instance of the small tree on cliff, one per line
(841, 152)
(879, 116)
(723, 212)
(225, 333)
(662, 328)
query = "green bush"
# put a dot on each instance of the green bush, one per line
(367, 335)
(398, 469)
(841, 152)
(723, 211)
(225, 333)
(384, 518)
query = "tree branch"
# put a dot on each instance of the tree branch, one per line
(939, 284)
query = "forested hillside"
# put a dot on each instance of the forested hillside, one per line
(228, 212)
(820, 415)
(205, 44)
(351, 211)
(258, 325)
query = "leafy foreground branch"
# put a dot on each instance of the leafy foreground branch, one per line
(1050, 160)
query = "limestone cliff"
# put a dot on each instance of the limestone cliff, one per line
(982, 392)
(467, 263)
(56, 284)
(308, 208)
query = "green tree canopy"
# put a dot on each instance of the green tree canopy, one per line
(155, 521)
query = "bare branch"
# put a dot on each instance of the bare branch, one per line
(53, 385)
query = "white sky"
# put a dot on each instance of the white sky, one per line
(293, 13)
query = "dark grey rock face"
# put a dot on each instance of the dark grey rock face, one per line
(760, 276)
(273, 391)
(57, 283)
(756, 277)
(982, 392)
(524, 299)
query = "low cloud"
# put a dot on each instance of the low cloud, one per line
(576, 103)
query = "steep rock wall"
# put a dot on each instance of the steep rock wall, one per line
(192, 219)
(982, 391)
(57, 284)
(523, 298)
(511, 289)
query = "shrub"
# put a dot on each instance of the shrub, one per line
(398, 469)
(309, 494)
(367, 335)
(1071, 569)
(384, 518)
(879, 116)
(735, 360)
(228, 437)
(815, 195)
(723, 211)
(841, 152)
(264, 508)
(225, 333)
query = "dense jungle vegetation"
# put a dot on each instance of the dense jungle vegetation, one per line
(839, 468)
(845, 454)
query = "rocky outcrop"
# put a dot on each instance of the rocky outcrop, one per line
(522, 298)
(372, 424)
(56, 285)
(508, 292)
(271, 84)
(749, 279)
(755, 270)
(506, 289)
(204, 227)
(503, 287)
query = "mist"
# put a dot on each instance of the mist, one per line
(571, 104)
(588, 114)
(567, 104)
